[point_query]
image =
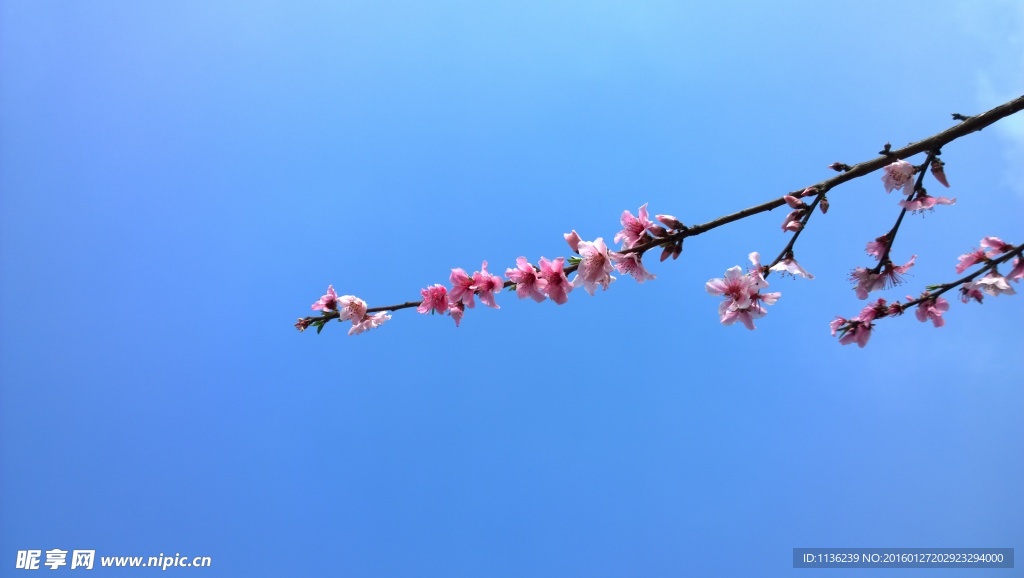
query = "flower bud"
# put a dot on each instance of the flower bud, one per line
(792, 222)
(666, 252)
(794, 203)
(658, 231)
(939, 173)
(670, 221)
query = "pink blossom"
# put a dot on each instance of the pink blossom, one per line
(329, 301)
(556, 284)
(746, 316)
(456, 310)
(462, 288)
(791, 267)
(756, 272)
(867, 281)
(939, 173)
(481, 283)
(877, 247)
(486, 285)
(968, 260)
(990, 246)
(899, 175)
(995, 284)
(573, 239)
(595, 268)
(858, 329)
(852, 331)
(932, 309)
(890, 275)
(925, 202)
(633, 228)
(970, 290)
(528, 284)
(435, 300)
(859, 333)
(352, 308)
(874, 311)
(743, 300)
(735, 287)
(1018, 269)
(630, 264)
(370, 322)
(767, 298)
(996, 245)
(894, 273)
(836, 324)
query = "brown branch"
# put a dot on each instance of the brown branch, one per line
(991, 265)
(968, 125)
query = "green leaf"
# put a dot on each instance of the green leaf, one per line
(319, 325)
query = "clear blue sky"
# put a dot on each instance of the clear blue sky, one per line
(180, 180)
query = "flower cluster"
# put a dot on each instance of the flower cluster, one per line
(639, 231)
(992, 283)
(900, 175)
(858, 329)
(596, 261)
(344, 308)
(465, 288)
(882, 276)
(743, 301)
(743, 298)
(548, 281)
(482, 284)
(897, 175)
(990, 247)
(931, 307)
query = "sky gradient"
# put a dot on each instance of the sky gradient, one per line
(180, 180)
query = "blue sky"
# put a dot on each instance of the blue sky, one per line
(180, 180)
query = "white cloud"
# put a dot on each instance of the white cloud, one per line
(999, 26)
